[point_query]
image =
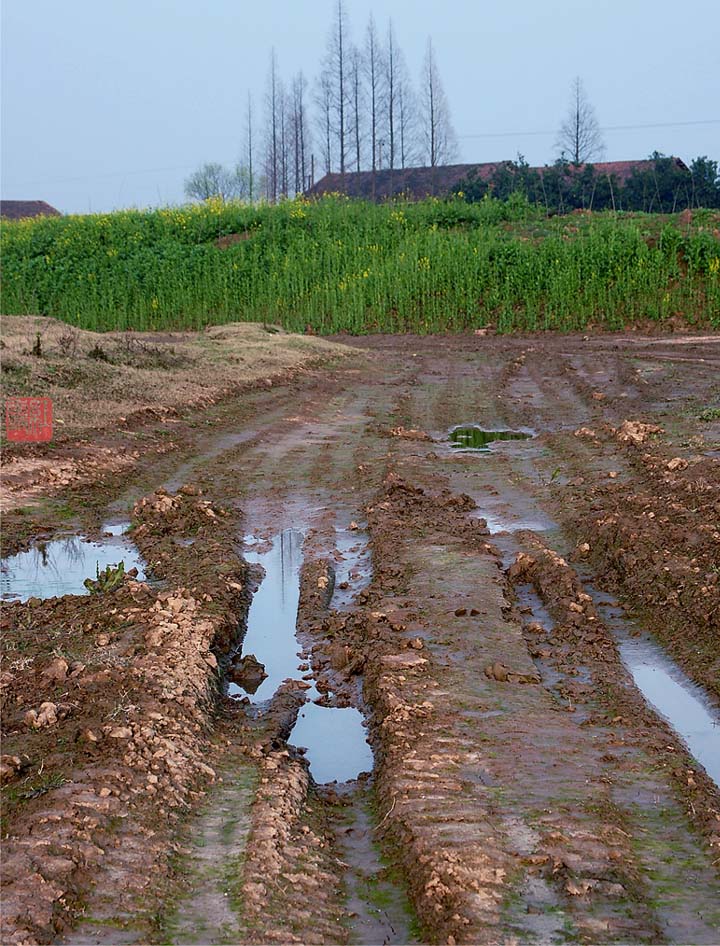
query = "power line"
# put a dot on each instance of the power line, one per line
(488, 134)
(518, 134)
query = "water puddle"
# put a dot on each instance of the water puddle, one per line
(664, 685)
(60, 567)
(337, 748)
(115, 528)
(471, 437)
(271, 621)
(334, 737)
(511, 523)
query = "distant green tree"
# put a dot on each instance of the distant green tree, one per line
(665, 186)
(705, 182)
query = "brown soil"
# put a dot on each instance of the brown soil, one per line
(523, 790)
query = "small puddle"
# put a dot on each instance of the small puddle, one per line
(334, 737)
(471, 437)
(664, 685)
(510, 523)
(337, 747)
(60, 567)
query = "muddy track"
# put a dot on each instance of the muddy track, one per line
(522, 786)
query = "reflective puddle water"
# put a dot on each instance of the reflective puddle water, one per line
(665, 686)
(59, 567)
(471, 437)
(273, 612)
(337, 748)
(497, 522)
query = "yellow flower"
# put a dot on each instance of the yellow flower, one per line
(715, 265)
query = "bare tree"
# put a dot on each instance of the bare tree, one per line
(373, 73)
(580, 135)
(406, 114)
(357, 104)
(249, 147)
(300, 133)
(390, 90)
(440, 141)
(283, 141)
(272, 142)
(336, 69)
(323, 100)
(211, 180)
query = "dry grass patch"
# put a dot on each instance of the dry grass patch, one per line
(102, 380)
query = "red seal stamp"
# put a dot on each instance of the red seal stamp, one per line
(28, 419)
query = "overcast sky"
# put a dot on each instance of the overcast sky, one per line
(111, 103)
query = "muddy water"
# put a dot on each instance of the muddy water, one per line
(665, 686)
(334, 737)
(59, 567)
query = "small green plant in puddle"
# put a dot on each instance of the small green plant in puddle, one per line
(106, 580)
(470, 437)
(709, 414)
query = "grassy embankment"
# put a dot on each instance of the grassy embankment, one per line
(337, 265)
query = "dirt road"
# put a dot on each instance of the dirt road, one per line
(519, 626)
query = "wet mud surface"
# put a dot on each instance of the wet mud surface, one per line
(460, 736)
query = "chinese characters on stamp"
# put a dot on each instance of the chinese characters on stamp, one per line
(28, 419)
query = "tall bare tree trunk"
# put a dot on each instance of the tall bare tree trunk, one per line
(373, 69)
(356, 92)
(324, 100)
(299, 135)
(341, 80)
(284, 143)
(438, 132)
(249, 127)
(391, 92)
(272, 143)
